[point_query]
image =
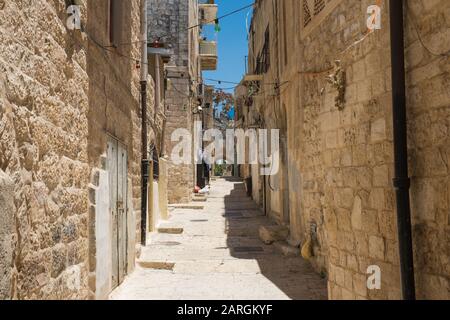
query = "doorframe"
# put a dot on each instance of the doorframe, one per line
(121, 244)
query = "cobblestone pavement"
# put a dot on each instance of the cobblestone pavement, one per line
(219, 256)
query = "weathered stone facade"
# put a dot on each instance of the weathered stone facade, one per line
(269, 113)
(341, 161)
(169, 23)
(43, 148)
(61, 97)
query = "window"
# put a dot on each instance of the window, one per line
(313, 12)
(263, 62)
(115, 21)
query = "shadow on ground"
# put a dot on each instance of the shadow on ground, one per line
(292, 275)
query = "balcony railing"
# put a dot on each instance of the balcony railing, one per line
(208, 55)
(207, 13)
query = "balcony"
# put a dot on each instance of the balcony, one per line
(207, 12)
(208, 55)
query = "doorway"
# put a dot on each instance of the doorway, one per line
(118, 171)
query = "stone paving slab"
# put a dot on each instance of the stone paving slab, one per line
(219, 256)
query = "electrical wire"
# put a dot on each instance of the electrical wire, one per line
(138, 62)
(188, 28)
(221, 81)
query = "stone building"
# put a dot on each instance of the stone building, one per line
(176, 26)
(267, 112)
(70, 148)
(341, 203)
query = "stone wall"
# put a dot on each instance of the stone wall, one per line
(178, 112)
(269, 109)
(169, 22)
(340, 162)
(347, 159)
(43, 148)
(115, 111)
(61, 96)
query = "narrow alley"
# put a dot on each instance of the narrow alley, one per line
(225, 150)
(218, 255)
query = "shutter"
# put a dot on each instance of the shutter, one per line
(115, 22)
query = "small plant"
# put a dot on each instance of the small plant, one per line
(218, 170)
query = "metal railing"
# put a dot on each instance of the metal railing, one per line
(208, 48)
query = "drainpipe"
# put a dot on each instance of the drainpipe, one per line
(157, 84)
(401, 181)
(145, 161)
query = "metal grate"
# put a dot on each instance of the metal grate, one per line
(248, 249)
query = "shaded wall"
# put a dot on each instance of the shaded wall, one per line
(347, 161)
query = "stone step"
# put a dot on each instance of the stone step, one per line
(192, 206)
(156, 265)
(286, 249)
(170, 228)
(199, 199)
(273, 233)
(199, 195)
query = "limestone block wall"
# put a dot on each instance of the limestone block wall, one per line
(346, 160)
(61, 96)
(115, 111)
(267, 104)
(168, 21)
(43, 148)
(180, 178)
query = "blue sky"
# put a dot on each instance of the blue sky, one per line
(232, 43)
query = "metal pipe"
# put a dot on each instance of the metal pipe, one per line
(145, 161)
(157, 84)
(401, 181)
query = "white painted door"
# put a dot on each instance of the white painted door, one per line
(117, 169)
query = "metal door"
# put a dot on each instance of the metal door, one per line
(117, 169)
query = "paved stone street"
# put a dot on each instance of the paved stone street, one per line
(219, 256)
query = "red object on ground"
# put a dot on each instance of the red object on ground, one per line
(196, 189)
